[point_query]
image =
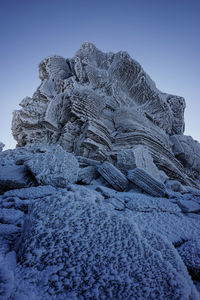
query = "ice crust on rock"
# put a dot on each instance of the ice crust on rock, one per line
(187, 150)
(12, 177)
(55, 167)
(37, 164)
(190, 254)
(189, 206)
(132, 231)
(87, 174)
(97, 104)
(7, 268)
(137, 157)
(147, 182)
(68, 233)
(157, 215)
(113, 176)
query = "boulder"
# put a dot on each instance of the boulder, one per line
(137, 157)
(87, 174)
(113, 176)
(189, 206)
(146, 182)
(54, 167)
(13, 177)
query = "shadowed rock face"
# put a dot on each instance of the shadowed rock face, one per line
(97, 104)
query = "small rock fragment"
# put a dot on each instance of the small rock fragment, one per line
(189, 206)
(118, 205)
(174, 185)
(163, 176)
(88, 161)
(86, 175)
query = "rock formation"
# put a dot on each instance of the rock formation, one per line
(97, 104)
(132, 230)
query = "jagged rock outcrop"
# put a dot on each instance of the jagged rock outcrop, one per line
(97, 104)
(187, 150)
(37, 164)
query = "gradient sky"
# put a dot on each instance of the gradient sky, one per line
(163, 35)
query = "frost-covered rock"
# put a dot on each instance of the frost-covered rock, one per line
(190, 254)
(189, 206)
(86, 175)
(7, 267)
(87, 250)
(54, 167)
(11, 216)
(21, 198)
(187, 150)
(157, 215)
(99, 114)
(113, 176)
(146, 182)
(175, 186)
(137, 157)
(13, 177)
(84, 161)
(30, 193)
(97, 104)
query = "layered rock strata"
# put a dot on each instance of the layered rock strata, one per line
(97, 104)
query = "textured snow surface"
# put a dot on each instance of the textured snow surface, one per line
(80, 245)
(190, 254)
(77, 243)
(159, 215)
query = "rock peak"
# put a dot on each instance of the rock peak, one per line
(97, 104)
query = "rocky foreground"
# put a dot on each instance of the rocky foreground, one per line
(101, 197)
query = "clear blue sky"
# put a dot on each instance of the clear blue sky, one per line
(163, 35)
